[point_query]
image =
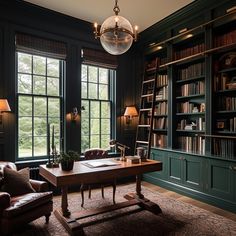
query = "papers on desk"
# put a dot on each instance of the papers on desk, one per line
(102, 163)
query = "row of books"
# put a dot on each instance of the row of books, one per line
(221, 82)
(162, 80)
(226, 124)
(225, 148)
(192, 144)
(162, 93)
(160, 123)
(225, 39)
(163, 60)
(192, 71)
(226, 103)
(189, 51)
(232, 124)
(159, 140)
(161, 108)
(193, 88)
(150, 65)
(193, 124)
(188, 107)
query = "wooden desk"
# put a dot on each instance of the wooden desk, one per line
(84, 174)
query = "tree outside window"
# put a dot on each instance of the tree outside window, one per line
(39, 92)
(97, 91)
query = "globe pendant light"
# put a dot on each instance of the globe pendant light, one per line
(116, 33)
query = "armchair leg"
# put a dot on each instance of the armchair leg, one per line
(102, 189)
(114, 191)
(82, 194)
(89, 191)
(47, 218)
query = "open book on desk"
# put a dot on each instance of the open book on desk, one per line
(100, 163)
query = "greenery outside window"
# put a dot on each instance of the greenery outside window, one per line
(39, 94)
(98, 101)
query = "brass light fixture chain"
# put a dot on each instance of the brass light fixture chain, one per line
(116, 8)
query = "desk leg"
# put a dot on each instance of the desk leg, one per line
(64, 215)
(143, 202)
(64, 201)
(138, 186)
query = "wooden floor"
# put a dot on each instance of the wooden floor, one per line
(191, 201)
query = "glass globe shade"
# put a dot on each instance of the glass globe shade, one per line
(116, 39)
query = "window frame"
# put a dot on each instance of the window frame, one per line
(111, 100)
(62, 64)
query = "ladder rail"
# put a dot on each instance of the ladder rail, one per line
(143, 109)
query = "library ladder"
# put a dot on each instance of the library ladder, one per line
(147, 107)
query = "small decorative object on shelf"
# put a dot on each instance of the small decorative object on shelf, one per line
(141, 152)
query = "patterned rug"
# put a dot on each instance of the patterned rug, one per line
(177, 218)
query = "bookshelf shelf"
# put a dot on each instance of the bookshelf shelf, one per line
(190, 96)
(227, 70)
(156, 116)
(185, 81)
(226, 112)
(226, 91)
(160, 130)
(191, 114)
(190, 131)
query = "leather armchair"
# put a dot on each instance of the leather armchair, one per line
(18, 210)
(92, 154)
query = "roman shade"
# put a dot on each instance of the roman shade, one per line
(40, 46)
(99, 58)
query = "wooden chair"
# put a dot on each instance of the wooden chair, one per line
(92, 154)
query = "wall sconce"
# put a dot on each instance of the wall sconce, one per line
(130, 112)
(74, 114)
(4, 106)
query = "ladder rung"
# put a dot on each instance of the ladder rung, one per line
(144, 142)
(148, 81)
(145, 109)
(144, 126)
(147, 95)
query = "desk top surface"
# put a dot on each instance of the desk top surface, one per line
(82, 172)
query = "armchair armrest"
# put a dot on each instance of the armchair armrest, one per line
(5, 200)
(39, 186)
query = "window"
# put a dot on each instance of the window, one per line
(98, 101)
(39, 94)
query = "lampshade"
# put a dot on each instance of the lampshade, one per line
(4, 106)
(131, 111)
(116, 33)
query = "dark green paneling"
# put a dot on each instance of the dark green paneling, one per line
(20, 16)
(193, 172)
(221, 179)
(175, 168)
(159, 156)
(200, 177)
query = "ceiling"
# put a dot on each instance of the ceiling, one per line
(141, 13)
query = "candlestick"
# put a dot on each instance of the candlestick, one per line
(53, 144)
(49, 164)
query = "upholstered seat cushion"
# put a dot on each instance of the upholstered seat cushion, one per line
(23, 203)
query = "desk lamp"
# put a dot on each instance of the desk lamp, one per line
(121, 147)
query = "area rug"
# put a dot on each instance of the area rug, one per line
(177, 218)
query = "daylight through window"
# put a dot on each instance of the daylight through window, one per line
(97, 121)
(39, 90)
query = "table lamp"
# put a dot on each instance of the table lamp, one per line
(4, 106)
